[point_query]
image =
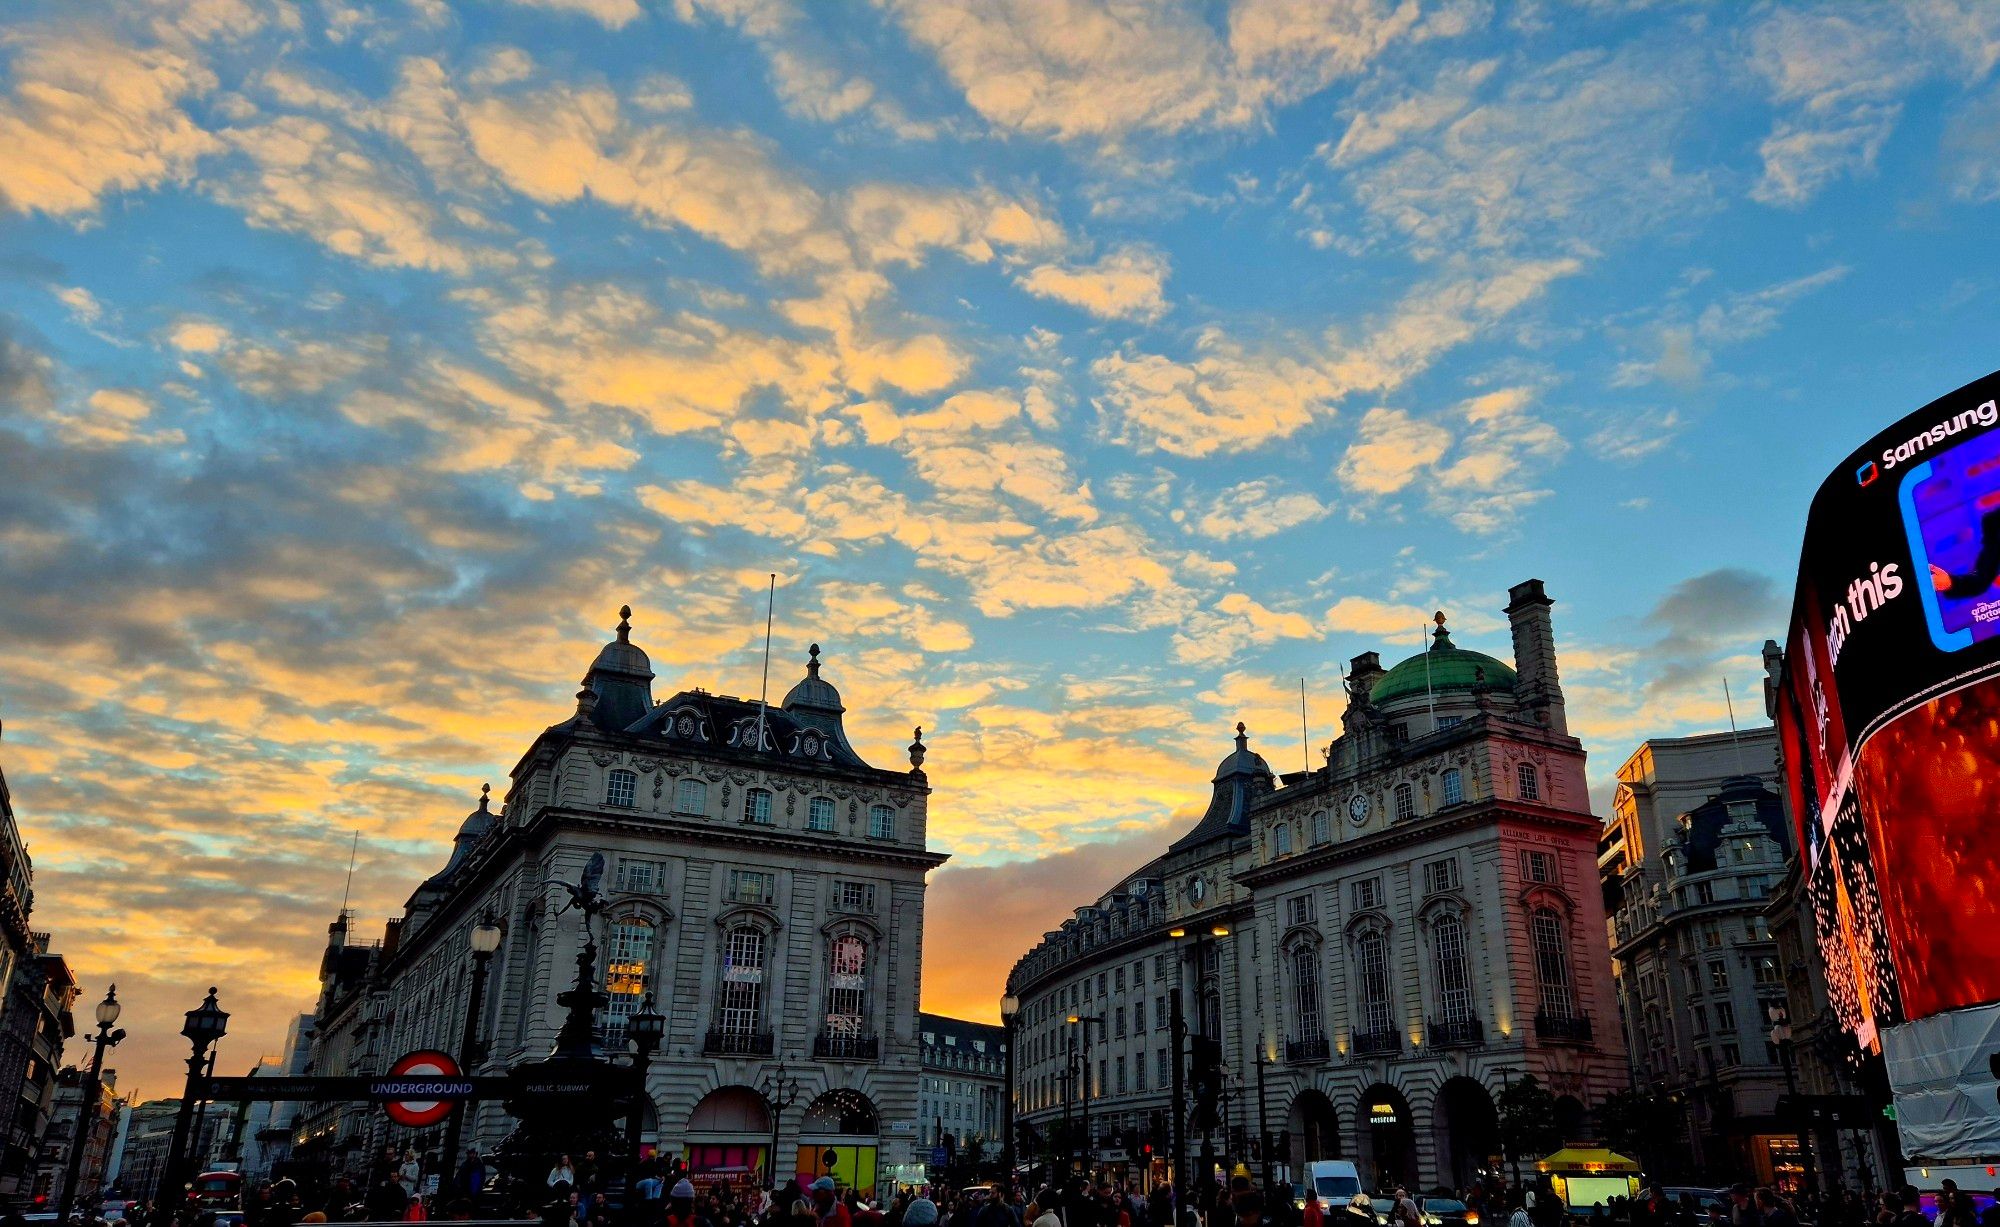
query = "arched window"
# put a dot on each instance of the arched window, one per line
(1211, 1011)
(1552, 964)
(691, 797)
(1406, 802)
(620, 787)
(1371, 957)
(881, 822)
(819, 814)
(1454, 786)
(1321, 827)
(1450, 970)
(1281, 839)
(742, 995)
(757, 805)
(1305, 993)
(845, 985)
(630, 957)
(1525, 780)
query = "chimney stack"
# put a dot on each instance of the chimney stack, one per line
(1536, 686)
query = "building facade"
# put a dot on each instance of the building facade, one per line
(21, 981)
(764, 883)
(36, 1022)
(1381, 945)
(261, 1134)
(964, 1080)
(1696, 844)
(72, 1118)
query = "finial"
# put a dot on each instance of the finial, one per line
(917, 750)
(624, 624)
(812, 661)
(1241, 738)
(1440, 638)
(485, 796)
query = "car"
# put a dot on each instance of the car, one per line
(1384, 1206)
(1448, 1212)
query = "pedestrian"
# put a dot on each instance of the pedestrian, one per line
(1044, 1210)
(827, 1209)
(562, 1177)
(1520, 1215)
(1772, 1210)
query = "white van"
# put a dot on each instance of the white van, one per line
(1335, 1180)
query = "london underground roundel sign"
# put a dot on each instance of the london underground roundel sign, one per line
(425, 1066)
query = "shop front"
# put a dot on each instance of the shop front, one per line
(840, 1137)
(729, 1139)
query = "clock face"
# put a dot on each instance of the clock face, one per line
(1357, 809)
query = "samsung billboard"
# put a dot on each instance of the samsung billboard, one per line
(1889, 711)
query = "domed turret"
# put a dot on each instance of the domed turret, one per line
(1444, 669)
(622, 679)
(1240, 779)
(813, 692)
(470, 832)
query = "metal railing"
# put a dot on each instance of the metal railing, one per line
(1564, 1028)
(1311, 1048)
(828, 1046)
(1456, 1033)
(1370, 1043)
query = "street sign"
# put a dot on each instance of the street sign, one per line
(940, 1157)
(428, 1073)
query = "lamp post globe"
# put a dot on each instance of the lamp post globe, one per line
(109, 1008)
(485, 936)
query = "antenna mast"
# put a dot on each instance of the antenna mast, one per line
(1305, 738)
(348, 889)
(764, 691)
(1735, 743)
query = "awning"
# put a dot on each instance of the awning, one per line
(1585, 1159)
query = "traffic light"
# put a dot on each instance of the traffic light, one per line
(1205, 1079)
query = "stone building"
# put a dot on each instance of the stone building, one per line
(965, 1073)
(1394, 936)
(765, 884)
(72, 1118)
(1697, 842)
(33, 1027)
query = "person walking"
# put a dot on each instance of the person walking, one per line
(1772, 1211)
(827, 1210)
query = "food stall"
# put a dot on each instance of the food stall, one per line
(1586, 1177)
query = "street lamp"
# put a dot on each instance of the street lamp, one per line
(1198, 939)
(1010, 1009)
(647, 1028)
(484, 940)
(86, 1116)
(1506, 1146)
(1089, 1142)
(204, 1027)
(780, 1091)
(1781, 1039)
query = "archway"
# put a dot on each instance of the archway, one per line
(1466, 1128)
(729, 1138)
(1389, 1152)
(1572, 1122)
(838, 1138)
(1315, 1130)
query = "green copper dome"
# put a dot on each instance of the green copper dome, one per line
(1443, 668)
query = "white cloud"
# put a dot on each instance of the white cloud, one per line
(1390, 449)
(614, 14)
(1127, 283)
(1257, 509)
(1479, 476)
(88, 116)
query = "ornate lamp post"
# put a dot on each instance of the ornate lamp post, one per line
(484, 940)
(1089, 1088)
(1010, 1009)
(1197, 940)
(86, 1117)
(1781, 1037)
(780, 1091)
(646, 1029)
(204, 1027)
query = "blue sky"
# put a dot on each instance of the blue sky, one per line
(1089, 372)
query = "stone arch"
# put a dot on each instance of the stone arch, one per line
(1387, 1154)
(842, 1111)
(1314, 1125)
(1572, 1120)
(1465, 1128)
(731, 1109)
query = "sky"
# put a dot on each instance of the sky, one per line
(1089, 372)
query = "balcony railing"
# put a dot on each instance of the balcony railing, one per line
(830, 1047)
(1563, 1028)
(1312, 1048)
(1374, 1043)
(737, 1044)
(1457, 1033)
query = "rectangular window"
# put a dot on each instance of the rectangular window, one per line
(1139, 1017)
(1100, 984)
(1732, 1055)
(1122, 1087)
(1305, 992)
(881, 822)
(691, 797)
(819, 814)
(1118, 981)
(1700, 1020)
(1538, 866)
(1406, 802)
(1139, 1072)
(1160, 1011)
(1322, 827)
(1711, 934)
(1372, 956)
(742, 993)
(1367, 894)
(751, 886)
(1454, 786)
(619, 789)
(1702, 892)
(1299, 910)
(1552, 964)
(639, 877)
(1725, 1017)
(757, 806)
(1159, 967)
(1528, 782)
(1440, 876)
(1165, 1070)
(1718, 974)
(857, 896)
(1118, 1023)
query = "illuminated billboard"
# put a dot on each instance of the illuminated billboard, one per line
(1889, 714)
